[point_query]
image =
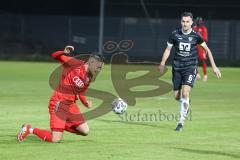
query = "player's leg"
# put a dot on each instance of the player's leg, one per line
(27, 129)
(43, 134)
(178, 94)
(57, 124)
(56, 136)
(198, 76)
(177, 84)
(49, 136)
(188, 82)
(184, 103)
(76, 122)
(83, 129)
(58, 114)
(204, 67)
(184, 107)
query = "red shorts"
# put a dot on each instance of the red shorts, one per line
(64, 114)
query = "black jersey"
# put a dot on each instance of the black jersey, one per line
(186, 52)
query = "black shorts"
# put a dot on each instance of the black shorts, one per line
(183, 77)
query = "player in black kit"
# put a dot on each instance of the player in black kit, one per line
(184, 66)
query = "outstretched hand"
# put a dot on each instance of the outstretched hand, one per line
(217, 72)
(161, 68)
(68, 49)
(89, 104)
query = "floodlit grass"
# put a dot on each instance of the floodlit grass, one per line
(146, 131)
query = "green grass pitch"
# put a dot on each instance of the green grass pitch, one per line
(213, 132)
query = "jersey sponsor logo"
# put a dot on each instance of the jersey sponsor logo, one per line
(78, 81)
(184, 47)
(190, 38)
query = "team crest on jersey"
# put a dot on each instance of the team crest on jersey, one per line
(190, 38)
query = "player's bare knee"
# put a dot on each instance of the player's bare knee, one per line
(83, 129)
(185, 94)
(56, 139)
(85, 132)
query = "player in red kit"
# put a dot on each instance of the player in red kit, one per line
(65, 115)
(202, 30)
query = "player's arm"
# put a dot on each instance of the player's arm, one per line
(79, 84)
(210, 56)
(63, 56)
(84, 101)
(165, 57)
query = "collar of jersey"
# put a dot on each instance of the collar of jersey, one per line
(186, 33)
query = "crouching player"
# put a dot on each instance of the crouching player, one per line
(65, 115)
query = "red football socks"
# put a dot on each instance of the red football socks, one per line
(43, 134)
(204, 66)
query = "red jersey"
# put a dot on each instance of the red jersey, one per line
(202, 30)
(74, 80)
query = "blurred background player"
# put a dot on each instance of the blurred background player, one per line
(200, 28)
(184, 66)
(64, 112)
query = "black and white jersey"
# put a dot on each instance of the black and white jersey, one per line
(186, 52)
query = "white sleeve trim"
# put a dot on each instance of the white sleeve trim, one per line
(203, 44)
(169, 44)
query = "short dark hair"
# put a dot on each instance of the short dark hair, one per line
(186, 14)
(98, 57)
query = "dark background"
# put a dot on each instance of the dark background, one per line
(31, 30)
(125, 8)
